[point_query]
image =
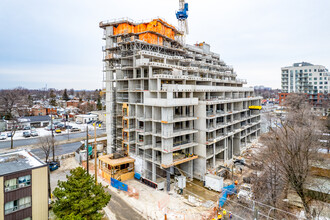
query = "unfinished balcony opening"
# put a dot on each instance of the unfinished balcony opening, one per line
(220, 159)
(158, 157)
(220, 133)
(210, 124)
(220, 109)
(229, 118)
(158, 127)
(219, 146)
(209, 110)
(229, 108)
(145, 85)
(209, 151)
(132, 149)
(219, 121)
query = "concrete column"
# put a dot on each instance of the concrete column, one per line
(154, 172)
(213, 155)
(150, 72)
(168, 180)
(191, 169)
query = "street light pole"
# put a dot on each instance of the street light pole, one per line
(51, 127)
(67, 120)
(95, 153)
(87, 148)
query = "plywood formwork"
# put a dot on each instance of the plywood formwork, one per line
(121, 169)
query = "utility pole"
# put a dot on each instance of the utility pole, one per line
(67, 120)
(95, 154)
(51, 127)
(87, 148)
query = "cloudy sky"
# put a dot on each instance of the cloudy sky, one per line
(58, 42)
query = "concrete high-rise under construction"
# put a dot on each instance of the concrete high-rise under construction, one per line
(170, 104)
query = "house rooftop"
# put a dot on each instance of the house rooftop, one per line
(17, 161)
(36, 118)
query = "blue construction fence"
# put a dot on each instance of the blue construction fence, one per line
(119, 185)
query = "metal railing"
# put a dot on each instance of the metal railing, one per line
(16, 208)
(17, 186)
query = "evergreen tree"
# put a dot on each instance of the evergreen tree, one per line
(52, 96)
(65, 95)
(99, 104)
(79, 197)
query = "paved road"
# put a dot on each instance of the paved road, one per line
(121, 209)
(59, 150)
(30, 141)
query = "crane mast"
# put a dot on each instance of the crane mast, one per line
(182, 16)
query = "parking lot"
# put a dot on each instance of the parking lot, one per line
(75, 128)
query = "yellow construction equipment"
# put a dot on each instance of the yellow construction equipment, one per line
(255, 107)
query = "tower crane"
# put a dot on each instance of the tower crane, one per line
(182, 16)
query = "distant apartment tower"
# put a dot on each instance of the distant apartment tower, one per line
(23, 187)
(307, 78)
(171, 105)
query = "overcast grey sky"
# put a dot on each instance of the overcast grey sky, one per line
(58, 42)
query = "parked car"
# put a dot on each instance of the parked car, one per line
(3, 136)
(75, 129)
(78, 122)
(68, 127)
(57, 131)
(27, 128)
(26, 134)
(9, 134)
(60, 126)
(53, 165)
(34, 133)
(48, 128)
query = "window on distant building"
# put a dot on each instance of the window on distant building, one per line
(321, 83)
(310, 74)
(310, 82)
(314, 70)
(325, 78)
(18, 204)
(321, 87)
(315, 78)
(320, 74)
(17, 183)
(310, 70)
(320, 78)
(325, 82)
(305, 70)
(315, 83)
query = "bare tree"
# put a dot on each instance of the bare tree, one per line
(269, 185)
(294, 144)
(14, 126)
(45, 144)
